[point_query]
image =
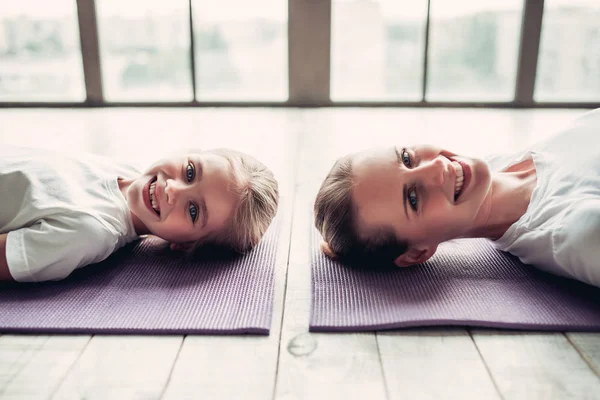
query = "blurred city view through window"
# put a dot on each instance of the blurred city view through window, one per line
(569, 63)
(40, 55)
(241, 50)
(378, 46)
(473, 50)
(377, 49)
(145, 50)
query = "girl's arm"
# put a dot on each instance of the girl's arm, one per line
(4, 272)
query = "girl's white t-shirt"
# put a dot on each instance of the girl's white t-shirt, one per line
(560, 230)
(61, 211)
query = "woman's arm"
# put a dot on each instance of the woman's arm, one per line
(577, 245)
(4, 272)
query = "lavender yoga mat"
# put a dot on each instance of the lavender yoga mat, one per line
(466, 283)
(145, 288)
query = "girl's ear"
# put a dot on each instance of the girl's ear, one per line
(186, 246)
(325, 248)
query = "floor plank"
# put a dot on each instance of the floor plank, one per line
(121, 367)
(208, 365)
(32, 367)
(16, 351)
(533, 366)
(241, 367)
(588, 345)
(434, 364)
(341, 366)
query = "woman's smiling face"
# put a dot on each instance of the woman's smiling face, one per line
(426, 195)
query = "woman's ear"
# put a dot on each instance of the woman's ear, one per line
(325, 248)
(415, 255)
(186, 246)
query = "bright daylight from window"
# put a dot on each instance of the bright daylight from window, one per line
(40, 56)
(241, 49)
(569, 62)
(473, 50)
(377, 49)
(145, 50)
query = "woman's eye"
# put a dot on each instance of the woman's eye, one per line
(193, 212)
(405, 158)
(189, 172)
(412, 199)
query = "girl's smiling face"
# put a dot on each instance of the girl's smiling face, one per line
(184, 199)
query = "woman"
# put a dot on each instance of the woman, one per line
(398, 204)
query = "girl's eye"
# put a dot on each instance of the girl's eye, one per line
(190, 172)
(412, 199)
(405, 158)
(193, 212)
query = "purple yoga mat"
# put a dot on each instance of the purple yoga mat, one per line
(466, 283)
(145, 288)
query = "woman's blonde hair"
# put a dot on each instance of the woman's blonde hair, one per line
(258, 198)
(335, 218)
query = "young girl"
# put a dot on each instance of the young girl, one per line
(62, 211)
(398, 204)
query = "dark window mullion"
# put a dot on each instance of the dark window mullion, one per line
(192, 52)
(531, 29)
(309, 52)
(426, 50)
(90, 50)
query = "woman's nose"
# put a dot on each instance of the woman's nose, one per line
(432, 172)
(173, 189)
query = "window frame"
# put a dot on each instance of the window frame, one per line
(309, 65)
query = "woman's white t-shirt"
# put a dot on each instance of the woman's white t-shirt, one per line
(61, 211)
(560, 230)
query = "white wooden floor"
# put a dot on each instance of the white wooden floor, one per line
(291, 363)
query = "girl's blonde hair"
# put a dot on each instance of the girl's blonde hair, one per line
(258, 198)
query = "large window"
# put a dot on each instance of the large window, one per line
(473, 50)
(145, 50)
(40, 56)
(569, 58)
(241, 49)
(345, 52)
(377, 49)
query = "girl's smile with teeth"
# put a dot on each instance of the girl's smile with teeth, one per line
(153, 197)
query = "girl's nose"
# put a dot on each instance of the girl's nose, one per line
(173, 189)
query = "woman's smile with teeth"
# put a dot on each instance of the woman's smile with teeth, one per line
(459, 179)
(153, 200)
